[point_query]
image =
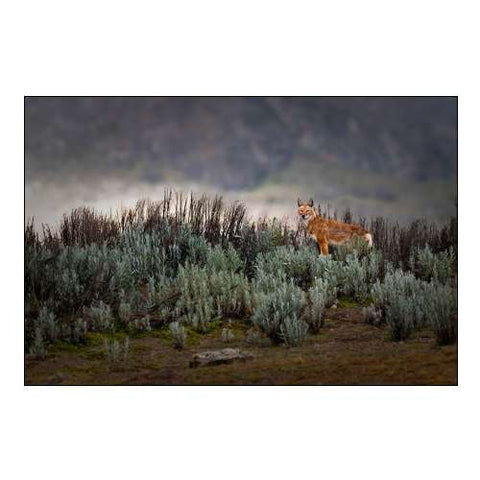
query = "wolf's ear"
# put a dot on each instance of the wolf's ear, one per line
(310, 202)
(299, 202)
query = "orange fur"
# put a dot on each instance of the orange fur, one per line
(329, 232)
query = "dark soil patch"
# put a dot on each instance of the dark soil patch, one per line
(345, 352)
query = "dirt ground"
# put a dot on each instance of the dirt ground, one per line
(345, 352)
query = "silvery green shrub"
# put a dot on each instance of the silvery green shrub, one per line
(37, 347)
(293, 331)
(123, 284)
(314, 312)
(142, 253)
(165, 297)
(297, 265)
(68, 290)
(406, 303)
(195, 248)
(101, 317)
(231, 293)
(250, 244)
(37, 276)
(195, 304)
(358, 274)
(268, 235)
(48, 325)
(331, 273)
(400, 298)
(139, 324)
(79, 275)
(271, 309)
(441, 305)
(397, 284)
(329, 291)
(355, 245)
(303, 266)
(355, 279)
(374, 265)
(124, 311)
(267, 282)
(79, 330)
(400, 317)
(115, 350)
(178, 334)
(433, 266)
(224, 260)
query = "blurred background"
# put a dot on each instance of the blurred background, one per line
(389, 156)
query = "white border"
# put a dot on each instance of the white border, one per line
(253, 48)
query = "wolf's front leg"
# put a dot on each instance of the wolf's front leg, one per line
(323, 247)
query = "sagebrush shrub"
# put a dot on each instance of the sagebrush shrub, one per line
(355, 245)
(314, 313)
(400, 317)
(433, 266)
(273, 308)
(139, 324)
(406, 303)
(78, 331)
(101, 317)
(359, 273)
(224, 260)
(195, 304)
(231, 293)
(79, 276)
(37, 347)
(355, 278)
(124, 311)
(331, 273)
(48, 325)
(165, 297)
(441, 305)
(293, 331)
(396, 299)
(142, 254)
(329, 291)
(296, 264)
(116, 350)
(397, 284)
(375, 266)
(178, 334)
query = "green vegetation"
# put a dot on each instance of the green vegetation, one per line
(194, 264)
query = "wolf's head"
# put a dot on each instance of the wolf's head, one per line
(305, 209)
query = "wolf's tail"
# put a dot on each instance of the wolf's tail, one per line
(369, 239)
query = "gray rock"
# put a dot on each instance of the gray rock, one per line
(218, 357)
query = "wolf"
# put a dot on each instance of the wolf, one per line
(329, 232)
